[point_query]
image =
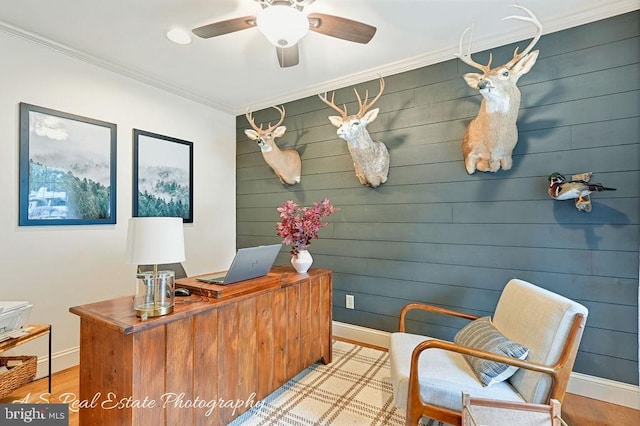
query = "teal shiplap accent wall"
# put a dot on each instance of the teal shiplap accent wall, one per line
(433, 233)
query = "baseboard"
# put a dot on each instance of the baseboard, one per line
(605, 390)
(61, 361)
(361, 334)
(579, 384)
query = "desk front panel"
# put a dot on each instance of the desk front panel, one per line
(234, 351)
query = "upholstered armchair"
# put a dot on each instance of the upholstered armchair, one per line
(533, 336)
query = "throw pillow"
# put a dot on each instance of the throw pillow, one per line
(481, 334)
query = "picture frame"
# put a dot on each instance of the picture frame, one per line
(67, 168)
(162, 176)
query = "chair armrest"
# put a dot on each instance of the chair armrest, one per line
(430, 308)
(479, 353)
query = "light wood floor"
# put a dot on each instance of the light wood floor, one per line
(576, 410)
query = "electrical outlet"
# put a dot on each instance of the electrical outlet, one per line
(349, 301)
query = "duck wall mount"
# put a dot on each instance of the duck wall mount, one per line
(578, 188)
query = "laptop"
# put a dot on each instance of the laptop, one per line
(251, 262)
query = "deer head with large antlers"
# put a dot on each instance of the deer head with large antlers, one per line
(370, 158)
(491, 136)
(285, 163)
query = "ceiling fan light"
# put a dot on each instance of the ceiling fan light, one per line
(282, 25)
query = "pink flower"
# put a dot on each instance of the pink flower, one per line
(298, 225)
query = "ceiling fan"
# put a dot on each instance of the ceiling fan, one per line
(284, 23)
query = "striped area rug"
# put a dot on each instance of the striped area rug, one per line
(355, 389)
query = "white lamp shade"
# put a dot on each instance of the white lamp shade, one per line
(155, 240)
(283, 25)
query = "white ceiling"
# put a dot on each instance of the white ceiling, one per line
(240, 70)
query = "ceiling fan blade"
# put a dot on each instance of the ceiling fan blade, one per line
(288, 56)
(343, 28)
(225, 27)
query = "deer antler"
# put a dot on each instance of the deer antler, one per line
(282, 114)
(531, 18)
(249, 116)
(466, 58)
(332, 104)
(270, 128)
(364, 107)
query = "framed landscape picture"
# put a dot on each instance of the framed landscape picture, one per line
(67, 168)
(162, 176)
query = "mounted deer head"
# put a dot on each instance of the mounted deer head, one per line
(491, 136)
(285, 163)
(370, 158)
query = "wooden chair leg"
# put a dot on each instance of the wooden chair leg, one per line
(413, 417)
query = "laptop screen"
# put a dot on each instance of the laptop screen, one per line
(250, 262)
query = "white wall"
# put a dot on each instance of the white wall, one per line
(57, 267)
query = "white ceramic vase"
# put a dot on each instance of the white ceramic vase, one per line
(302, 261)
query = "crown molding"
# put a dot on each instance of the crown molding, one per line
(112, 66)
(603, 11)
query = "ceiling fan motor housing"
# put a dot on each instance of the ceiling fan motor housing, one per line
(282, 24)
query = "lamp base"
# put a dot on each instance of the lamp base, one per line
(153, 310)
(154, 294)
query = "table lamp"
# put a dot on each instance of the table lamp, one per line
(153, 241)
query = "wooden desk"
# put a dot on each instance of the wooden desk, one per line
(208, 351)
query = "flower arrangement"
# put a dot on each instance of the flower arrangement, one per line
(298, 225)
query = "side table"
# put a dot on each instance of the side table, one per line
(33, 332)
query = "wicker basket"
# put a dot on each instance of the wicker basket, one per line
(18, 375)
